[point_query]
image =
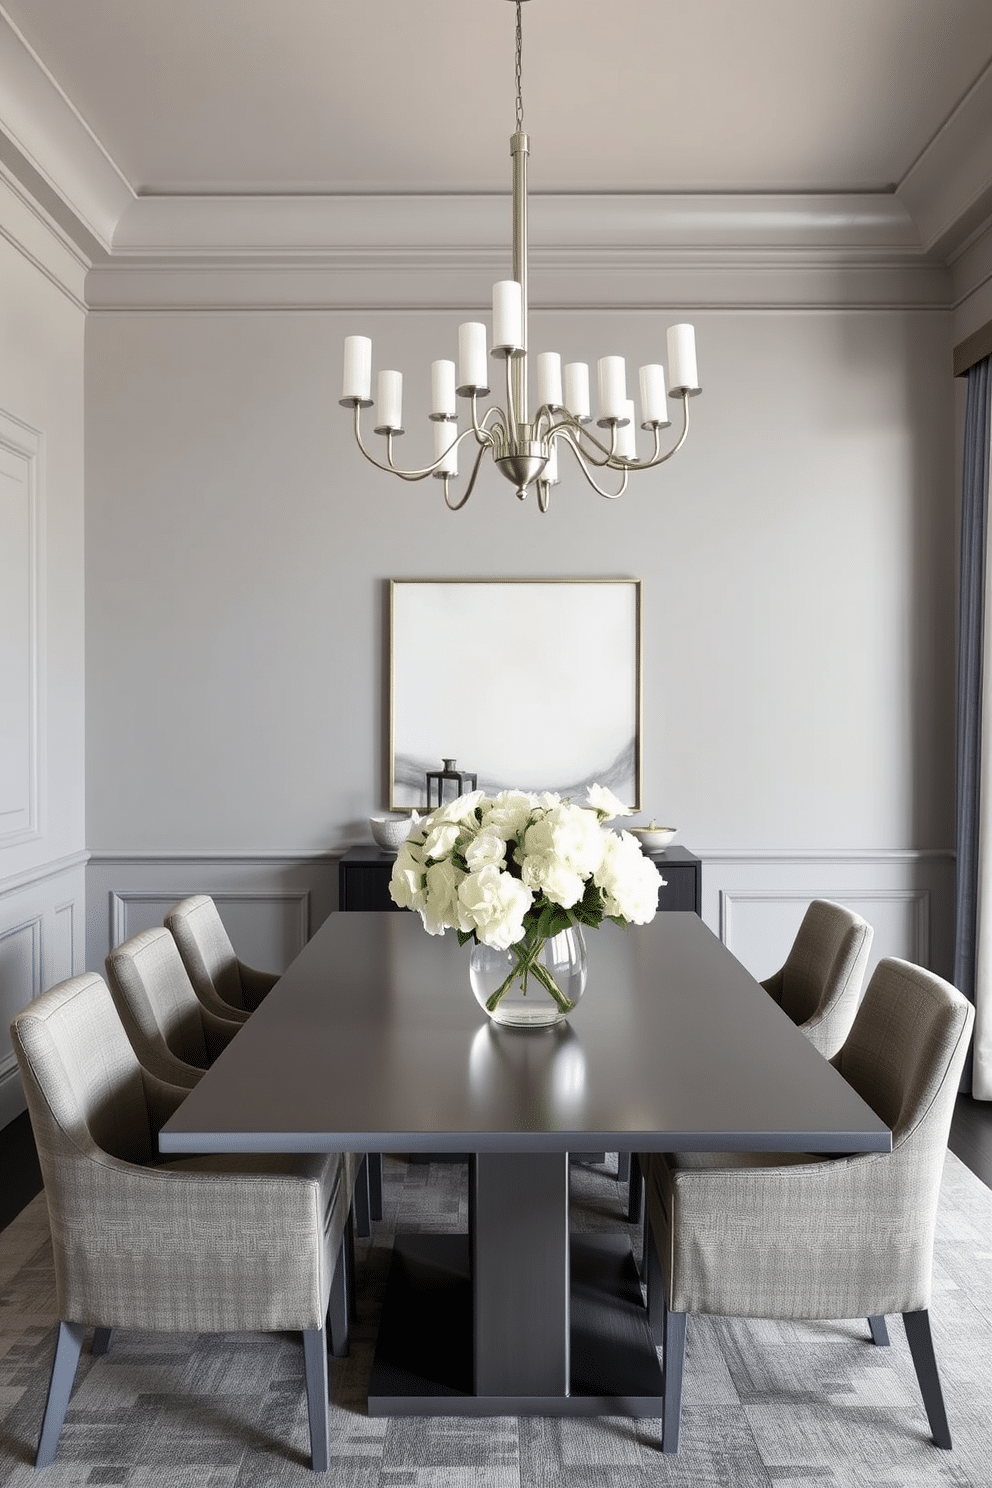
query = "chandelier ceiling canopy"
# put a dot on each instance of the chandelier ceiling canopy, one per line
(525, 445)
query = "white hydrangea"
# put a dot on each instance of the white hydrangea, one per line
(605, 803)
(493, 904)
(482, 865)
(627, 880)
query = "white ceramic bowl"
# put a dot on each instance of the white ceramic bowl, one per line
(652, 838)
(391, 831)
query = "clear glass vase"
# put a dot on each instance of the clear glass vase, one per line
(534, 983)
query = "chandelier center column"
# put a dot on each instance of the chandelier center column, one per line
(519, 150)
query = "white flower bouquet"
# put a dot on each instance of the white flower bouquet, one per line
(515, 870)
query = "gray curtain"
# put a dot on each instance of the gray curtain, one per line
(974, 526)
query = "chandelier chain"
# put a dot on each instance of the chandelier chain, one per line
(519, 73)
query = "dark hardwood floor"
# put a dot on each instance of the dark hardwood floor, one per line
(20, 1176)
(971, 1136)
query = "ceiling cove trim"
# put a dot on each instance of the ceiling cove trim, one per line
(184, 226)
(397, 282)
(54, 143)
(948, 190)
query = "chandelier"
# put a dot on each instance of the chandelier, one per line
(524, 445)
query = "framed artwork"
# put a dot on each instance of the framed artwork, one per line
(529, 684)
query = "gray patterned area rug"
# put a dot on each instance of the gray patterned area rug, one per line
(771, 1404)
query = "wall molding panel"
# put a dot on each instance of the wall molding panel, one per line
(755, 903)
(40, 912)
(271, 903)
(21, 659)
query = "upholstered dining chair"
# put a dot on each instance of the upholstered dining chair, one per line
(173, 1034)
(222, 982)
(818, 987)
(792, 1235)
(202, 1244)
(820, 983)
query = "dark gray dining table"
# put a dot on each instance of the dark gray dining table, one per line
(373, 1042)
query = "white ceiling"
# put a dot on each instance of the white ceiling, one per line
(333, 96)
(113, 103)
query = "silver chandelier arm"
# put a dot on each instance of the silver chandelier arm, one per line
(659, 459)
(483, 435)
(457, 505)
(577, 432)
(569, 438)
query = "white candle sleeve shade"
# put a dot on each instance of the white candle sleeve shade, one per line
(549, 380)
(442, 390)
(627, 433)
(389, 403)
(577, 391)
(445, 434)
(654, 402)
(682, 374)
(612, 389)
(508, 320)
(356, 384)
(473, 364)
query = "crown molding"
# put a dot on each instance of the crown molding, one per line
(49, 148)
(948, 190)
(589, 283)
(437, 252)
(38, 239)
(160, 228)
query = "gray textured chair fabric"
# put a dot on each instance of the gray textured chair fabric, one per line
(819, 987)
(172, 1033)
(780, 1235)
(223, 983)
(211, 1244)
(820, 983)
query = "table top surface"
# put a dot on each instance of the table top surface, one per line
(372, 1041)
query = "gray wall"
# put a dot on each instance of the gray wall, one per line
(798, 567)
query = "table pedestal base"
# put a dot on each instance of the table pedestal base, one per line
(424, 1355)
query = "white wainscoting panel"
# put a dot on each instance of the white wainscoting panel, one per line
(270, 903)
(40, 912)
(20, 654)
(755, 902)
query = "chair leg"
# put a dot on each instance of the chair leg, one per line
(635, 1191)
(654, 1286)
(350, 1273)
(879, 1332)
(315, 1363)
(337, 1306)
(375, 1184)
(68, 1343)
(925, 1362)
(674, 1366)
(623, 1167)
(363, 1221)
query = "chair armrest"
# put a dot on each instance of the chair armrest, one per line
(163, 1100)
(252, 1238)
(217, 1032)
(773, 986)
(255, 984)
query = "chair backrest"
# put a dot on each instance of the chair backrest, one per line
(81, 1078)
(206, 949)
(156, 1000)
(904, 1056)
(820, 983)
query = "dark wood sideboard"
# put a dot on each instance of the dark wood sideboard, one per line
(363, 879)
